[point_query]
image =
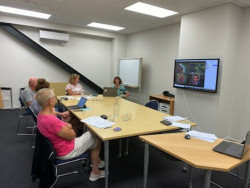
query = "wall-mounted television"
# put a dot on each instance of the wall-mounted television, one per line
(196, 74)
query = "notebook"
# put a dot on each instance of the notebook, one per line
(109, 92)
(80, 105)
(233, 149)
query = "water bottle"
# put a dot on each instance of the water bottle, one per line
(82, 92)
(116, 109)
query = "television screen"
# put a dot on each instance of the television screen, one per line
(196, 74)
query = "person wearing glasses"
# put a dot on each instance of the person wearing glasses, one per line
(74, 88)
(61, 134)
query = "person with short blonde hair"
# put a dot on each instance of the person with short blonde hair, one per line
(61, 134)
(44, 96)
(74, 88)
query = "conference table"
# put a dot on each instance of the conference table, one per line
(144, 121)
(195, 152)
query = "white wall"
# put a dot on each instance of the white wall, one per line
(239, 119)
(158, 48)
(93, 54)
(219, 32)
(212, 33)
(90, 55)
(19, 63)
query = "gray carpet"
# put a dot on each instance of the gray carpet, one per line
(16, 159)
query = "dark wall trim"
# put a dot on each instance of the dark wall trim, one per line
(29, 42)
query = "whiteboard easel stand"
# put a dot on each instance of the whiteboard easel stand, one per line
(130, 70)
(139, 92)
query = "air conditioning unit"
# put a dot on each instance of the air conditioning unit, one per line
(49, 35)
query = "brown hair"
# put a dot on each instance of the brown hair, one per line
(117, 77)
(73, 77)
(42, 83)
(196, 75)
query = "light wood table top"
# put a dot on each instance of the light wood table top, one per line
(144, 120)
(162, 97)
(195, 152)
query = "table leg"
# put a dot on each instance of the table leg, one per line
(120, 148)
(207, 178)
(190, 177)
(11, 99)
(146, 159)
(247, 174)
(171, 111)
(127, 143)
(106, 158)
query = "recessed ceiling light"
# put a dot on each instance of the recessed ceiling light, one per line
(150, 10)
(24, 12)
(105, 26)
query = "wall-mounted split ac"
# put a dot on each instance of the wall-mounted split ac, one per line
(49, 35)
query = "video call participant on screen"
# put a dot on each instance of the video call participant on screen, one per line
(121, 90)
(196, 80)
(180, 75)
(61, 134)
(74, 88)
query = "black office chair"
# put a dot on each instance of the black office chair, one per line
(153, 104)
(24, 116)
(20, 90)
(34, 115)
(48, 168)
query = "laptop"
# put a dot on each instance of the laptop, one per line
(109, 92)
(233, 149)
(80, 105)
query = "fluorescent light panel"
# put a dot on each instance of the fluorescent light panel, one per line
(24, 12)
(105, 26)
(150, 10)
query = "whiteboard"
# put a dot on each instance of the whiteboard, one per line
(130, 71)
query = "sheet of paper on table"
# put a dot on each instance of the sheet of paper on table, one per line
(99, 122)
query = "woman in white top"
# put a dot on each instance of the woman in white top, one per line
(74, 88)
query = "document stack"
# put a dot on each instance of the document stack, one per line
(203, 136)
(174, 122)
(97, 121)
